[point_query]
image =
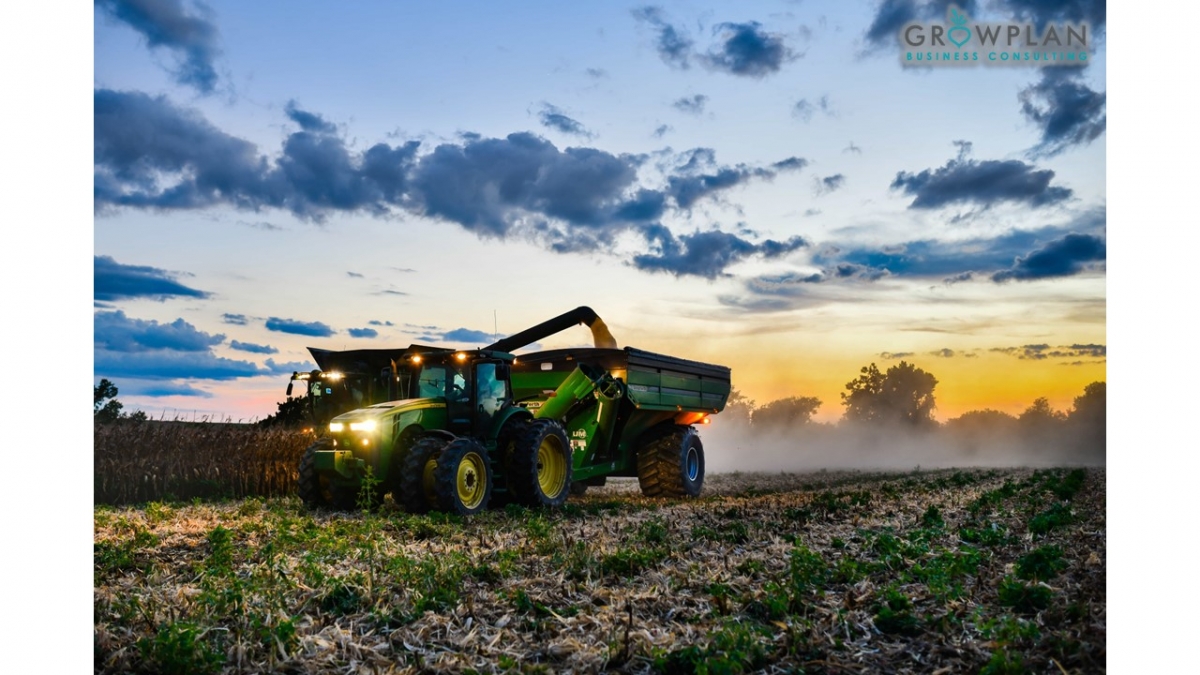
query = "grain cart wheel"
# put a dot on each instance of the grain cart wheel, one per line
(314, 489)
(416, 475)
(462, 479)
(541, 463)
(672, 465)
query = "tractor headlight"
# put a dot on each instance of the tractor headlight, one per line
(336, 427)
(366, 425)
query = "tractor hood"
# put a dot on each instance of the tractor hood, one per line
(380, 410)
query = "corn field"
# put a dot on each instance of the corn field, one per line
(157, 460)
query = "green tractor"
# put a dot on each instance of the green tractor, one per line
(462, 430)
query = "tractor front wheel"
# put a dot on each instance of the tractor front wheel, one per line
(541, 464)
(462, 479)
(315, 488)
(672, 464)
(416, 491)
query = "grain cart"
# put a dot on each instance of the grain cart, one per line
(486, 427)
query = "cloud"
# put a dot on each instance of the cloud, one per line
(1063, 257)
(747, 50)
(308, 121)
(596, 73)
(945, 353)
(376, 322)
(1035, 352)
(468, 335)
(311, 329)
(1067, 112)
(804, 109)
(552, 117)
(661, 130)
(114, 281)
(852, 148)
(252, 348)
(1040, 352)
(1041, 12)
(673, 45)
(288, 367)
(158, 389)
(522, 185)
(895, 355)
(113, 331)
(985, 183)
(148, 153)
(235, 319)
(892, 15)
(167, 24)
(693, 105)
(354, 275)
(705, 254)
(171, 365)
(362, 332)
(824, 186)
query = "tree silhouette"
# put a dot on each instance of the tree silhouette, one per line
(105, 408)
(1088, 418)
(291, 413)
(903, 394)
(786, 412)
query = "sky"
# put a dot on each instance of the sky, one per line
(765, 185)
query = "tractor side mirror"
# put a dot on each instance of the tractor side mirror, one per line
(503, 371)
(289, 390)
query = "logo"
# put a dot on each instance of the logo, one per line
(960, 41)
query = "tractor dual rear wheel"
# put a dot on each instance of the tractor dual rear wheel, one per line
(540, 465)
(672, 464)
(462, 478)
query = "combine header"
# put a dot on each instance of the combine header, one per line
(462, 430)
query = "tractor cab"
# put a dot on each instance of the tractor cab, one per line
(474, 384)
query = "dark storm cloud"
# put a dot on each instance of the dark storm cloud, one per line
(113, 331)
(235, 319)
(149, 153)
(892, 15)
(693, 105)
(747, 50)
(362, 332)
(167, 24)
(522, 185)
(1070, 255)
(968, 181)
(468, 335)
(674, 46)
(293, 327)
(114, 281)
(1067, 111)
(252, 348)
(552, 117)
(705, 254)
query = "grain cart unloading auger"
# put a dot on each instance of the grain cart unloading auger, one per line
(479, 427)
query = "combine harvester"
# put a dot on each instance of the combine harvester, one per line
(459, 430)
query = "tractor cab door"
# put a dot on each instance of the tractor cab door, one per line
(491, 396)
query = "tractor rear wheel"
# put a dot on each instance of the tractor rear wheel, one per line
(540, 465)
(416, 492)
(462, 479)
(672, 464)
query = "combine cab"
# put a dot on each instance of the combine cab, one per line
(468, 429)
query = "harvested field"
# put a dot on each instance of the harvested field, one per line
(994, 571)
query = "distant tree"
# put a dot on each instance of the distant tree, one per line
(903, 394)
(1040, 413)
(291, 413)
(1088, 418)
(786, 412)
(106, 408)
(737, 408)
(978, 428)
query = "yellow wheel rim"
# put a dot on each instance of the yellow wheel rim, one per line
(428, 483)
(551, 467)
(472, 480)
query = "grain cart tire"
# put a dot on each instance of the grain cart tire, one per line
(540, 467)
(672, 464)
(462, 479)
(416, 493)
(315, 489)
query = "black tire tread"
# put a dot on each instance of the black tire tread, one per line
(445, 476)
(308, 487)
(412, 489)
(522, 478)
(660, 465)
